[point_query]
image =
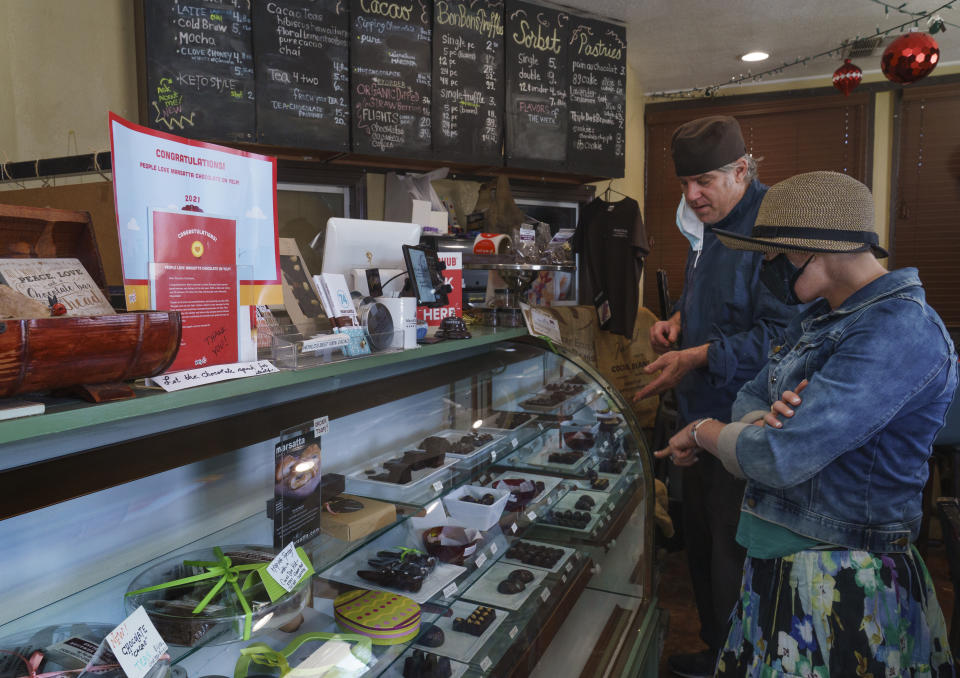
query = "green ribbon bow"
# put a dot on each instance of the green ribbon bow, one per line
(264, 655)
(228, 573)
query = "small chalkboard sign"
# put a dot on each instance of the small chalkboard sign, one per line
(468, 91)
(537, 82)
(302, 59)
(598, 84)
(199, 68)
(390, 76)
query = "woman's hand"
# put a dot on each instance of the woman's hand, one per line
(785, 406)
(681, 449)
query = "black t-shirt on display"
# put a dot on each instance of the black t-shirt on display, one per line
(612, 241)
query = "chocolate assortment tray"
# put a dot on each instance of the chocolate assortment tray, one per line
(366, 560)
(419, 665)
(577, 510)
(461, 645)
(400, 476)
(469, 445)
(537, 554)
(500, 586)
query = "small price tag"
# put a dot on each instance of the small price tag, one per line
(325, 342)
(437, 486)
(545, 594)
(494, 548)
(493, 455)
(569, 567)
(513, 632)
(545, 325)
(620, 491)
(563, 578)
(485, 663)
(136, 644)
(515, 443)
(539, 426)
(450, 590)
(321, 425)
(481, 559)
(287, 568)
(532, 515)
(513, 528)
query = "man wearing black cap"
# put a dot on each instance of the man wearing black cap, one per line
(723, 325)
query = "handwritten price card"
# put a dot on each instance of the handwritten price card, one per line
(287, 568)
(136, 644)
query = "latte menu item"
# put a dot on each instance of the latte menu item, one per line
(390, 86)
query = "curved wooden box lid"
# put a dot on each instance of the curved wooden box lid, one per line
(51, 353)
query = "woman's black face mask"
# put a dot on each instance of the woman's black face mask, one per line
(779, 275)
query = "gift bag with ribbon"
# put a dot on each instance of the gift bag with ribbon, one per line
(310, 655)
(217, 596)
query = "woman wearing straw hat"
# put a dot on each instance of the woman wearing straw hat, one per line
(831, 584)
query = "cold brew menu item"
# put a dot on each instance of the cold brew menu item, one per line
(536, 41)
(598, 84)
(468, 90)
(199, 58)
(303, 84)
(390, 76)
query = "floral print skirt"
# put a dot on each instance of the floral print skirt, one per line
(837, 613)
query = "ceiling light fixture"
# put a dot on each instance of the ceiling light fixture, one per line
(754, 56)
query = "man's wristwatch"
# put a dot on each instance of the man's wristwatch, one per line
(693, 430)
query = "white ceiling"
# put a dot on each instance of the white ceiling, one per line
(680, 44)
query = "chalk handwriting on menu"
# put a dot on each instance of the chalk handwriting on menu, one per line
(598, 83)
(537, 80)
(136, 644)
(303, 96)
(390, 76)
(200, 79)
(468, 90)
(176, 381)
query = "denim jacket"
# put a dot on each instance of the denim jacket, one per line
(849, 467)
(725, 304)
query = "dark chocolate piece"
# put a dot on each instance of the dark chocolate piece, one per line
(585, 502)
(431, 637)
(422, 664)
(478, 621)
(435, 445)
(521, 575)
(510, 586)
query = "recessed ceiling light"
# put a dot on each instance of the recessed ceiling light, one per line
(754, 56)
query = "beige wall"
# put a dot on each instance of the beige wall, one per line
(63, 65)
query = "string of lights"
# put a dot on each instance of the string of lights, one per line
(709, 90)
(887, 7)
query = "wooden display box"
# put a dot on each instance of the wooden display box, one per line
(90, 354)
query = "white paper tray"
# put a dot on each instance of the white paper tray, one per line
(345, 572)
(357, 481)
(549, 483)
(484, 590)
(567, 552)
(396, 669)
(457, 644)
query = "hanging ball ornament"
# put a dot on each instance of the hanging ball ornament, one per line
(847, 77)
(910, 57)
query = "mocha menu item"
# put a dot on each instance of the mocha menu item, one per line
(390, 76)
(199, 63)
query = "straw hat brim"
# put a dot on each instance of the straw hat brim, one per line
(736, 241)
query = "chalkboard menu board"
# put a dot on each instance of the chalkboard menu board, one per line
(301, 53)
(598, 101)
(390, 76)
(199, 60)
(536, 109)
(468, 92)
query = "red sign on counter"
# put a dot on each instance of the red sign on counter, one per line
(453, 276)
(194, 271)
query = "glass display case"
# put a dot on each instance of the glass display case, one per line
(496, 486)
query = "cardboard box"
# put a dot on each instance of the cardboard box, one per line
(352, 526)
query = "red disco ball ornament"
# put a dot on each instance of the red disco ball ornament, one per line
(847, 77)
(910, 58)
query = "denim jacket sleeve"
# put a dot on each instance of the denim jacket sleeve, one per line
(874, 369)
(738, 356)
(752, 396)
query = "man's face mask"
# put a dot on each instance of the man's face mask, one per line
(780, 276)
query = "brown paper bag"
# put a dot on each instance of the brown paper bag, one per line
(621, 362)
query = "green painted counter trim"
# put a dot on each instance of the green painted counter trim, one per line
(91, 415)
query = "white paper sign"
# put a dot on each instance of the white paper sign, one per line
(437, 486)
(545, 324)
(325, 342)
(321, 425)
(515, 443)
(450, 591)
(493, 455)
(569, 567)
(545, 594)
(287, 568)
(532, 515)
(177, 381)
(513, 632)
(563, 578)
(136, 644)
(64, 280)
(513, 528)
(485, 664)
(494, 548)
(481, 559)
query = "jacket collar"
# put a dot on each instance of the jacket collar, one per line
(884, 286)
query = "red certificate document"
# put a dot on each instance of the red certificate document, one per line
(195, 272)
